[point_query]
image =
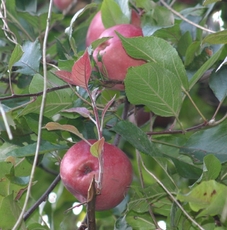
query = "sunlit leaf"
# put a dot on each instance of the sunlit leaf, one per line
(112, 14)
(156, 87)
(208, 195)
(97, 148)
(211, 167)
(159, 51)
(216, 38)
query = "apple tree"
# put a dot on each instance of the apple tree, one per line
(113, 114)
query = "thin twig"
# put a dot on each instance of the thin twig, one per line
(91, 198)
(195, 106)
(172, 197)
(19, 220)
(33, 94)
(185, 19)
(8, 130)
(138, 158)
(194, 128)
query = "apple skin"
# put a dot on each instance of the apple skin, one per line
(115, 61)
(62, 4)
(78, 167)
(96, 26)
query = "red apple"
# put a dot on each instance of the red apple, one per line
(78, 167)
(96, 27)
(62, 4)
(114, 59)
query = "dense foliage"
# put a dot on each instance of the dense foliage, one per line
(170, 120)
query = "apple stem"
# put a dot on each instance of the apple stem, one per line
(99, 130)
(96, 120)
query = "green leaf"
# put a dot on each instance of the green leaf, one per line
(136, 137)
(191, 51)
(208, 64)
(218, 83)
(162, 16)
(185, 169)
(5, 184)
(22, 181)
(10, 210)
(141, 198)
(29, 150)
(97, 148)
(184, 43)
(159, 51)
(216, 38)
(121, 224)
(37, 226)
(26, 64)
(156, 87)
(140, 221)
(16, 55)
(112, 14)
(55, 101)
(208, 195)
(211, 167)
(209, 141)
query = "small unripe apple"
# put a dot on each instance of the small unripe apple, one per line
(62, 4)
(78, 167)
(115, 61)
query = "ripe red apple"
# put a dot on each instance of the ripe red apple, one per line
(114, 59)
(78, 167)
(96, 26)
(62, 4)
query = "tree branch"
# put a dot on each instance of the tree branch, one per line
(42, 198)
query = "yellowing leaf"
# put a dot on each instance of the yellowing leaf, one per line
(208, 195)
(97, 148)
(70, 128)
